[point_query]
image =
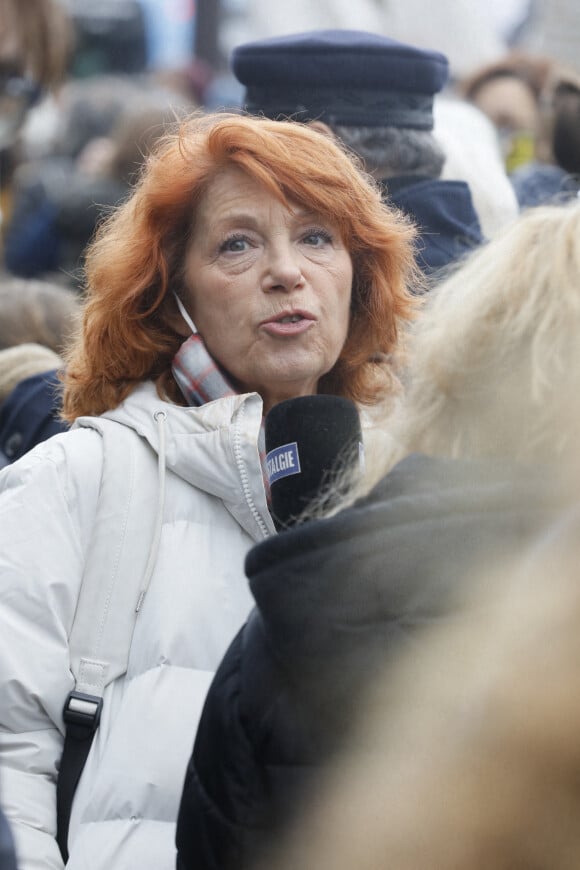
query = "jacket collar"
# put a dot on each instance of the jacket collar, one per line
(213, 447)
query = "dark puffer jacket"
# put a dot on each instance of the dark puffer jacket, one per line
(29, 415)
(335, 600)
(444, 214)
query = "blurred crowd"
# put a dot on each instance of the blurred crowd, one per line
(82, 144)
(446, 571)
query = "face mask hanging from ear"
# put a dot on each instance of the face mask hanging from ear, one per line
(200, 380)
(197, 375)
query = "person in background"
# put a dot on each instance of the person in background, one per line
(556, 180)
(509, 91)
(27, 416)
(37, 312)
(253, 262)
(106, 127)
(376, 95)
(35, 46)
(484, 442)
(37, 319)
(472, 154)
(505, 318)
(35, 40)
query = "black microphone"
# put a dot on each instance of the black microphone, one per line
(308, 441)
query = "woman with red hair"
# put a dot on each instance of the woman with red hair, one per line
(254, 262)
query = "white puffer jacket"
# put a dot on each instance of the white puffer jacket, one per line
(215, 509)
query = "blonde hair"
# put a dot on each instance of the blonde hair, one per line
(494, 361)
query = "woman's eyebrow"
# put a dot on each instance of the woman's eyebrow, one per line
(252, 221)
(306, 214)
(238, 217)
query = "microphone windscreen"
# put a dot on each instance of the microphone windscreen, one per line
(308, 440)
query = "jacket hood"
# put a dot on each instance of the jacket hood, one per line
(213, 447)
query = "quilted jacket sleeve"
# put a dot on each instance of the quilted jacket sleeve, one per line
(47, 500)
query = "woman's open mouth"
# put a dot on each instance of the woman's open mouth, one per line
(289, 324)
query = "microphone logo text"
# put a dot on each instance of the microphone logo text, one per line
(283, 461)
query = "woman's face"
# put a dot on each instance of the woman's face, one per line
(268, 288)
(509, 103)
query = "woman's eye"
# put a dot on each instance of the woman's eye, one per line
(317, 238)
(234, 245)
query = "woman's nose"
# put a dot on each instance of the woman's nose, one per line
(283, 270)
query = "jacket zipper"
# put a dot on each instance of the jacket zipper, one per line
(246, 488)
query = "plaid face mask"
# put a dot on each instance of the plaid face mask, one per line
(197, 375)
(201, 380)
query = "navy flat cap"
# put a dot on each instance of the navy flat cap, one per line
(347, 77)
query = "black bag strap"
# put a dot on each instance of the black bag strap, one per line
(81, 714)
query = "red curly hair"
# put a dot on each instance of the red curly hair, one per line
(138, 257)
